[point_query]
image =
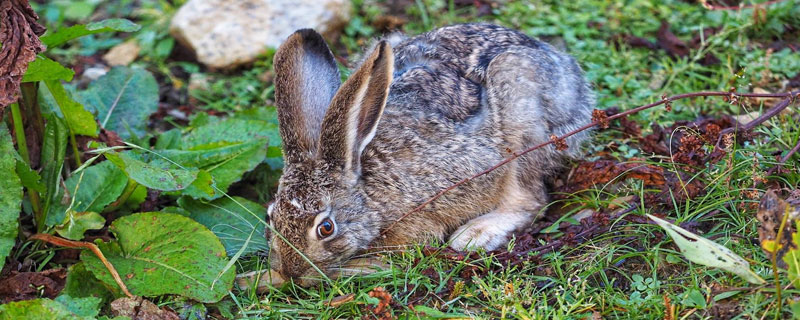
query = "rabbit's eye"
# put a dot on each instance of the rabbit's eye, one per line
(325, 228)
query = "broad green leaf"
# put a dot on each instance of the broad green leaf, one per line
(231, 130)
(81, 283)
(30, 178)
(10, 195)
(225, 162)
(160, 253)
(268, 114)
(84, 307)
(53, 149)
(55, 39)
(122, 100)
(170, 139)
(157, 174)
(708, 253)
(37, 309)
(80, 121)
(43, 69)
(76, 223)
(430, 313)
(91, 190)
(236, 225)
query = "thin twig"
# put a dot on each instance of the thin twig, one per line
(789, 97)
(85, 245)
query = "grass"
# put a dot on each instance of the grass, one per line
(627, 273)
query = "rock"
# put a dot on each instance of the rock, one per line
(122, 54)
(228, 33)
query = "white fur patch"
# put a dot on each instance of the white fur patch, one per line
(296, 204)
(489, 231)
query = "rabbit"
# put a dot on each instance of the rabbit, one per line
(416, 116)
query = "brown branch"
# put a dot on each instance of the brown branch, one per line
(61, 242)
(739, 7)
(789, 97)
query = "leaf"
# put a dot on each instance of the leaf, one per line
(122, 99)
(431, 313)
(82, 283)
(30, 178)
(160, 253)
(53, 149)
(37, 309)
(225, 162)
(91, 191)
(20, 34)
(80, 121)
(792, 258)
(10, 195)
(157, 174)
(76, 223)
(234, 225)
(708, 253)
(55, 39)
(43, 69)
(84, 307)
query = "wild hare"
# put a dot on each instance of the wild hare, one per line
(409, 122)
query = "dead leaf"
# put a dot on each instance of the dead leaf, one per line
(340, 300)
(20, 286)
(708, 253)
(589, 174)
(19, 34)
(140, 309)
(770, 213)
(670, 42)
(122, 54)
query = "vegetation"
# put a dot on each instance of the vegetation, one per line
(165, 167)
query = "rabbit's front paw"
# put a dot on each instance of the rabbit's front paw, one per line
(489, 231)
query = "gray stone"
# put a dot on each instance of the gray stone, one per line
(228, 33)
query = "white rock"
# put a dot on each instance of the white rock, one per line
(227, 33)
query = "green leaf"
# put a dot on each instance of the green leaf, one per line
(792, 256)
(30, 178)
(225, 162)
(53, 149)
(231, 130)
(160, 253)
(82, 283)
(170, 139)
(80, 121)
(236, 225)
(45, 69)
(10, 195)
(37, 309)
(84, 307)
(76, 223)
(91, 190)
(157, 174)
(708, 253)
(122, 99)
(55, 39)
(431, 313)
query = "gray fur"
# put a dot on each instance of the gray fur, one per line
(460, 98)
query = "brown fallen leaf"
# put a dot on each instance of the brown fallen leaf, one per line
(770, 213)
(19, 34)
(122, 54)
(589, 174)
(340, 300)
(140, 309)
(20, 286)
(670, 42)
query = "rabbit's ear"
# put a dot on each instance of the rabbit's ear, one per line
(306, 79)
(354, 113)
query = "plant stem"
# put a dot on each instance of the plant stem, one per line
(774, 259)
(22, 147)
(75, 152)
(129, 189)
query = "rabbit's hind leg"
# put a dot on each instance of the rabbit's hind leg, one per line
(518, 207)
